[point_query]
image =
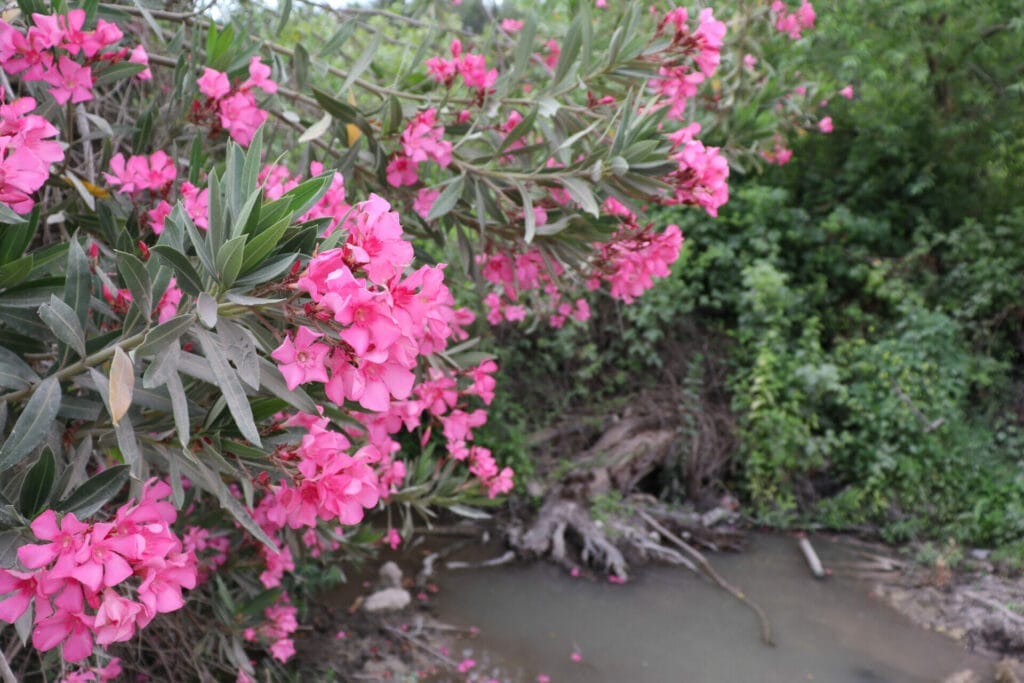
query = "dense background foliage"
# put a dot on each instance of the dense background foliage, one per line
(870, 288)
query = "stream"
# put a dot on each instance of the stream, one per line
(667, 625)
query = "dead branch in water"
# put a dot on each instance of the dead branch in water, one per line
(505, 558)
(709, 571)
(813, 562)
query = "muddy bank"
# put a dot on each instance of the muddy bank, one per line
(983, 610)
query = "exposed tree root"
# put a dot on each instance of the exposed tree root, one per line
(547, 537)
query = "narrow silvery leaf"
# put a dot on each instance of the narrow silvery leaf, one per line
(179, 406)
(63, 322)
(129, 445)
(206, 305)
(33, 423)
(122, 384)
(164, 364)
(164, 334)
(14, 372)
(207, 479)
(174, 474)
(241, 350)
(582, 195)
(317, 129)
(227, 380)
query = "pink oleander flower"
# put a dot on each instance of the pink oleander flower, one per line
(424, 201)
(70, 81)
(197, 204)
(157, 215)
(138, 173)
(402, 171)
(259, 77)
(423, 139)
(793, 23)
(511, 25)
(709, 37)
(554, 51)
(213, 83)
(139, 56)
(393, 538)
(825, 125)
(241, 117)
(847, 92)
(302, 359)
(167, 307)
(466, 664)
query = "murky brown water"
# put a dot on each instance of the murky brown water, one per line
(669, 626)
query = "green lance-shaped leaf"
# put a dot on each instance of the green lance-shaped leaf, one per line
(8, 216)
(35, 490)
(188, 278)
(33, 423)
(260, 246)
(16, 271)
(230, 258)
(117, 72)
(88, 498)
(520, 129)
(136, 278)
(570, 50)
(360, 65)
(317, 130)
(77, 282)
(447, 200)
(63, 322)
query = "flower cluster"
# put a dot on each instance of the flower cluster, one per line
(701, 178)
(155, 174)
(422, 140)
(280, 623)
(795, 23)
(678, 81)
(471, 67)
(56, 50)
(233, 107)
(330, 484)
(779, 154)
(277, 180)
(95, 674)
(25, 153)
(634, 256)
(372, 323)
(79, 579)
(526, 282)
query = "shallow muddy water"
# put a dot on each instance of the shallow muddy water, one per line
(667, 625)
